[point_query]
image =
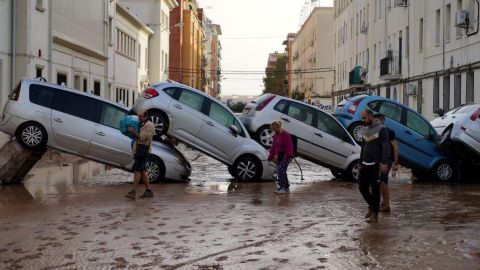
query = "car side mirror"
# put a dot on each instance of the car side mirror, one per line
(440, 112)
(234, 130)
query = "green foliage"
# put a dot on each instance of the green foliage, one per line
(236, 107)
(274, 83)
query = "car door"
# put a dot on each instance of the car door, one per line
(41, 98)
(73, 121)
(417, 139)
(330, 142)
(393, 120)
(187, 116)
(297, 120)
(215, 136)
(108, 143)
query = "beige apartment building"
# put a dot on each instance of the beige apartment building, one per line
(421, 53)
(313, 60)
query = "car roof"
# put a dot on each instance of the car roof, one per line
(75, 91)
(301, 102)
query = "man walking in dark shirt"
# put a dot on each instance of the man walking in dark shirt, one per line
(373, 161)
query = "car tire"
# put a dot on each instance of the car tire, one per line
(160, 122)
(264, 136)
(446, 171)
(353, 171)
(247, 168)
(445, 140)
(32, 136)
(337, 173)
(155, 169)
(356, 130)
(231, 171)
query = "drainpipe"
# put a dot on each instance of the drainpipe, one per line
(14, 43)
(478, 20)
(50, 41)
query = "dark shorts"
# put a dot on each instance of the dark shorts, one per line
(384, 176)
(140, 158)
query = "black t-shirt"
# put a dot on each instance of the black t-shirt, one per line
(391, 136)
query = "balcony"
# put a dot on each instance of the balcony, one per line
(390, 68)
(356, 77)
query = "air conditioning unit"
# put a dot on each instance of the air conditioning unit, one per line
(363, 28)
(411, 89)
(401, 3)
(461, 19)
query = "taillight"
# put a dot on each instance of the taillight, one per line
(264, 103)
(15, 93)
(475, 115)
(150, 93)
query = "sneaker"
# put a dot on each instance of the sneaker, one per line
(130, 194)
(373, 218)
(147, 194)
(385, 209)
(369, 213)
(280, 191)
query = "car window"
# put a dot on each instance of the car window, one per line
(222, 116)
(41, 95)
(111, 116)
(301, 113)
(418, 124)
(280, 106)
(170, 91)
(391, 111)
(80, 106)
(373, 105)
(191, 99)
(328, 125)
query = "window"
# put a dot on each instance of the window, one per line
(80, 106)
(139, 57)
(41, 95)
(85, 85)
(112, 115)
(38, 72)
(221, 115)
(459, 7)
(77, 81)
(96, 88)
(391, 111)
(437, 27)
(420, 35)
(448, 22)
(126, 45)
(457, 94)
(387, 92)
(61, 78)
(446, 93)
(418, 124)
(420, 97)
(407, 43)
(436, 94)
(170, 91)
(280, 107)
(301, 113)
(470, 87)
(328, 125)
(191, 99)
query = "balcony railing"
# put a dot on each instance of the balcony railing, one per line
(390, 68)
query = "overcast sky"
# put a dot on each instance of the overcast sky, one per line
(251, 30)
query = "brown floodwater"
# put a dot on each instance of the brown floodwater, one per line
(211, 223)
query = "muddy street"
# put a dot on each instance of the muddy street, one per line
(213, 223)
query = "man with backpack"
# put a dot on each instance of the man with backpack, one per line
(374, 158)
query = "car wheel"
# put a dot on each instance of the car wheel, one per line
(265, 136)
(353, 171)
(247, 169)
(445, 140)
(336, 173)
(32, 136)
(446, 171)
(356, 130)
(155, 169)
(160, 123)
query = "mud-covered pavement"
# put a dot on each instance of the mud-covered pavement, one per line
(211, 223)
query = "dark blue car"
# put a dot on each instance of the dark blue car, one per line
(417, 139)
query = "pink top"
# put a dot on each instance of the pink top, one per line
(282, 145)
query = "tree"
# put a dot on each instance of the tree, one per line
(298, 95)
(274, 83)
(236, 107)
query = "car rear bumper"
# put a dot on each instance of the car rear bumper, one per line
(252, 124)
(10, 124)
(467, 140)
